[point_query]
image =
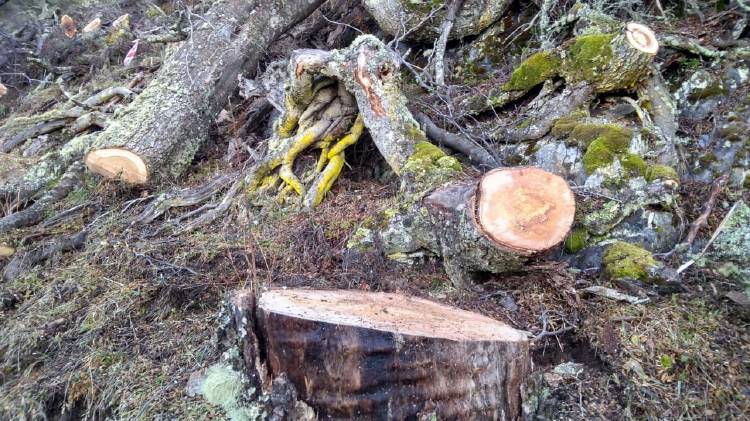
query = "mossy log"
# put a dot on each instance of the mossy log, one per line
(158, 134)
(412, 19)
(361, 355)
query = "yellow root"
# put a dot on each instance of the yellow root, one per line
(329, 175)
(325, 146)
(290, 119)
(351, 138)
(335, 157)
(286, 172)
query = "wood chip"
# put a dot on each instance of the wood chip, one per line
(613, 294)
(92, 26)
(68, 26)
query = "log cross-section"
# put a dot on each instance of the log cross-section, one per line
(361, 355)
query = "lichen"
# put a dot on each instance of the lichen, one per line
(661, 172)
(624, 260)
(577, 240)
(223, 387)
(588, 55)
(533, 71)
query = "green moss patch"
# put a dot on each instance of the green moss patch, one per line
(617, 138)
(588, 55)
(633, 164)
(624, 260)
(533, 71)
(577, 240)
(661, 172)
(565, 125)
(598, 155)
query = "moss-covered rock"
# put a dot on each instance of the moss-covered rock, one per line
(533, 71)
(616, 137)
(661, 172)
(430, 166)
(564, 126)
(633, 164)
(624, 260)
(598, 155)
(577, 240)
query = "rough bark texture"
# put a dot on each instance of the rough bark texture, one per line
(397, 16)
(369, 355)
(170, 119)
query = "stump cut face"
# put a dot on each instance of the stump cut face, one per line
(525, 209)
(388, 312)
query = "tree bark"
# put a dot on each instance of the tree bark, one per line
(158, 134)
(360, 355)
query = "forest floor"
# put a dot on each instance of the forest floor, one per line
(116, 328)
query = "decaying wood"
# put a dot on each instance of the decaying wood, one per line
(360, 355)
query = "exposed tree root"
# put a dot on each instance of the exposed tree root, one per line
(21, 262)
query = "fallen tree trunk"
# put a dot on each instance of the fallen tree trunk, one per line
(161, 130)
(360, 355)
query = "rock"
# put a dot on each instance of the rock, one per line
(729, 253)
(624, 260)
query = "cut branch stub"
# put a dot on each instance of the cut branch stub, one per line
(524, 209)
(496, 224)
(359, 355)
(117, 162)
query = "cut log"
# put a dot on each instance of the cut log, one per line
(361, 355)
(117, 162)
(157, 135)
(497, 223)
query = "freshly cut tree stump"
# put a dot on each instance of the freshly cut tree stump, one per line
(361, 355)
(496, 224)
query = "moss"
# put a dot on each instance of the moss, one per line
(633, 164)
(430, 165)
(714, 88)
(624, 260)
(616, 137)
(588, 55)
(598, 155)
(533, 71)
(565, 125)
(577, 240)
(661, 172)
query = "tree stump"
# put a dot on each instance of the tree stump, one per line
(363, 355)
